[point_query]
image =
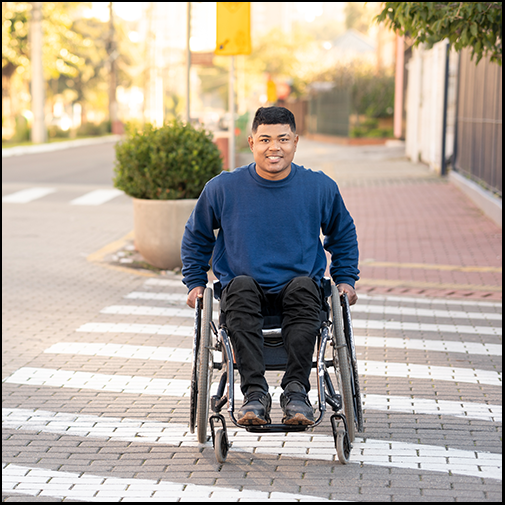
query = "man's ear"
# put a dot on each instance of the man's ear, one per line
(251, 142)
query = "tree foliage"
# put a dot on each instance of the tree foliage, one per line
(371, 91)
(477, 25)
(75, 54)
(356, 16)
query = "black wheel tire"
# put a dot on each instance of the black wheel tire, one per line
(204, 368)
(221, 445)
(358, 406)
(343, 446)
(342, 363)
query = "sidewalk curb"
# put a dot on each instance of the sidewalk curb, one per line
(485, 200)
(98, 257)
(57, 146)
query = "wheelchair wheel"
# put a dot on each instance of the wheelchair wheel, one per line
(343, 446)
(358, 407)
(342, 362)
(204, 370)
(221, 445)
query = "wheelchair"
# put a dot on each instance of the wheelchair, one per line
(335, 332)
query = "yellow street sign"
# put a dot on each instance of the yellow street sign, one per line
(233, 28)
(271, 91)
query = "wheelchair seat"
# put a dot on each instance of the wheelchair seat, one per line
(275, 353)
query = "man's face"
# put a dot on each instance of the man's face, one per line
(273, 147)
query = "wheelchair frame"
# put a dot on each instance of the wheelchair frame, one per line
(336, 330)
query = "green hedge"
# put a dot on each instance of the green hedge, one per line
(168, 163)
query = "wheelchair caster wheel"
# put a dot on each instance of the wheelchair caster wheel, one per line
(221, 445)
(343, 446)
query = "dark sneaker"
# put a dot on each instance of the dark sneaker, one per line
(255, 409)
(296, 405)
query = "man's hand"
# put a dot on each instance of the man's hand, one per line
(349, 290)
(194, 294)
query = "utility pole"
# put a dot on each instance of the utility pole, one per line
(231, 108)
(39, 132)
(113, 54)
(188, 58)
(443, 164)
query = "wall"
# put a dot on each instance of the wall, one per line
(424, 104)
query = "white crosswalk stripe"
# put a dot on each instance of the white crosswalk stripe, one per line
(95, 488)
(27, 195)
(365, 341)
(90, 198)
(424, 301)
(318, 446)
(367, 309)
(144, 310)
(152, 329)
(33, 376)
(377, 402)
(96, 197)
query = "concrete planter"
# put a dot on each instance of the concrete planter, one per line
(158, 227)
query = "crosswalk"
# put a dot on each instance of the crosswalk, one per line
(90, 198)
(426, 352)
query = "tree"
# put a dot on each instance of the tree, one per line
(356, 16)
(477, 25)
(75, 57)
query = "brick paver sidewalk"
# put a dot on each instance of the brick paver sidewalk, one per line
(418, 233)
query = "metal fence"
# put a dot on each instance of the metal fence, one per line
(329, 111)
(478, 145)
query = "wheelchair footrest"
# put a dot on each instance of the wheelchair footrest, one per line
(217, 403)
(276, 428)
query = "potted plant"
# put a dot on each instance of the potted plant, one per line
(164, 170)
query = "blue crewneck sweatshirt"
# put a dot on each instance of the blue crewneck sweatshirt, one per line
(269, 230)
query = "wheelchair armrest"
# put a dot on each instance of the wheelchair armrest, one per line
(218, 289)
(326, 287)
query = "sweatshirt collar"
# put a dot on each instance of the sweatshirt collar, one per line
(267, 182)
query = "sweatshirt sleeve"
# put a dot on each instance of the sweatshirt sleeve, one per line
(341, 241)
(198, 242)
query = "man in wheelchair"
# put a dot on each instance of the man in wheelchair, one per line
(269, 259)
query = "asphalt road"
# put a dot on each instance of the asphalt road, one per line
(80, 165)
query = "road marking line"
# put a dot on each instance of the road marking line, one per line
(428, 266)
(32, 376)
(363, 341)
(430, 345)
(173, 283)
(305, 445)
(368, 309)
(468, 410)
(439, 328)
(374, 402)
(411, 311)
(414, 371)
(387, 342)
(99, 488)
(411, 299)
(96, 197)
(177, 282)
(390, 283)
(152, 329)
(145, 310)
(180, 355)
(27, 195)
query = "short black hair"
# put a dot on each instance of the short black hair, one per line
(273, 115)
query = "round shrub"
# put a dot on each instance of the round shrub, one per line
(168, 163)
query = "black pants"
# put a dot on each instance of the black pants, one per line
(244, 304)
